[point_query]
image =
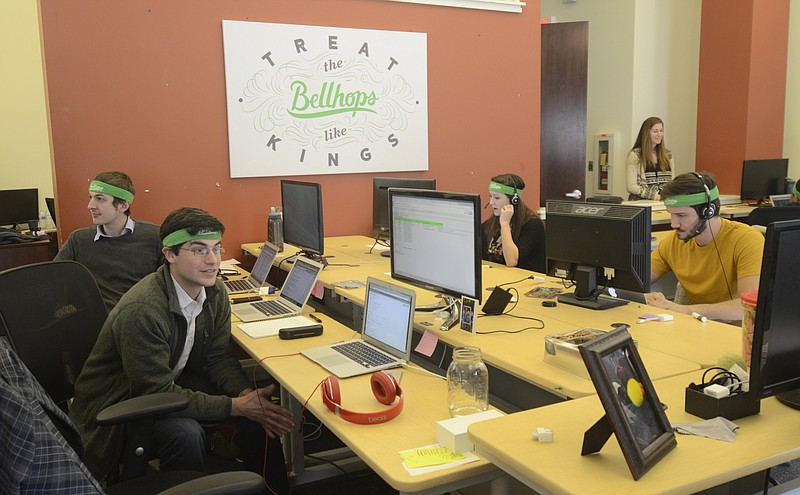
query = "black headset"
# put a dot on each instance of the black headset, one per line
(515, 197)
(709, 209)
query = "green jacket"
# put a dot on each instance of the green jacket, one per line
(135, 352)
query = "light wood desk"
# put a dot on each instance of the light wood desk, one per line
(377, 445)
(763, 441)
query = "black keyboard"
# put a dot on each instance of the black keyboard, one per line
(236, 285)
(363, 354)
(271, 308)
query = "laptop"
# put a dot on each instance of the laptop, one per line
(780, 199)
(259, 274)
(386, 334)
(293, 296)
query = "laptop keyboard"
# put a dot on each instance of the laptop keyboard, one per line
(271, 308)
(241, 284)
(363, 354)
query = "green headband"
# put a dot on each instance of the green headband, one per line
(183, 235)
(502, 188)
(101, 187)
(693, 199)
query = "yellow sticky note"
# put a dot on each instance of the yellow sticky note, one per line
(429, 457)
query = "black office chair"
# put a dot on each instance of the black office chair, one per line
(766, 215)
(53, 313)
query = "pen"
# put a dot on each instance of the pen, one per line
(698, 316)
(313, 317)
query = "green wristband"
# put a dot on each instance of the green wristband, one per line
(101, 187)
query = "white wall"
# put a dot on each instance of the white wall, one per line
(791, 132)
(24, 138)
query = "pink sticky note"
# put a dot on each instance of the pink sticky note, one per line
(319, 290)
(427, 344)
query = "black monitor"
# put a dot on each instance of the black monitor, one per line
(762, 178)
(302, 216)
(436, 240)
(598, 245)
(380, 200)
(17, 206)
(774, 365)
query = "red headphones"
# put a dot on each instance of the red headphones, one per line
(385, 389)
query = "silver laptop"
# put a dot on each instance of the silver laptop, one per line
(386, 334)
(293, 296)
(259, 274)
(780, 199)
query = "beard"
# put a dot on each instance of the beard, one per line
(696, 230)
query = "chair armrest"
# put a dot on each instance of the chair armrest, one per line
(229, 483)
(144, 406)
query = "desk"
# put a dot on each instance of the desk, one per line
(24, 253)
(377, 445)
(764, 440)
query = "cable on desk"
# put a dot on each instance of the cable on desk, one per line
(287, 259)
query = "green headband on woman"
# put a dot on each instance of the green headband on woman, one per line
(693, 199)
(183, 235)
(102, 187)
(502, 188)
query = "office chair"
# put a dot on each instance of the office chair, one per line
(766, 215)
(53, 313)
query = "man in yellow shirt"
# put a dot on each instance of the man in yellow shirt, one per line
(714, 259)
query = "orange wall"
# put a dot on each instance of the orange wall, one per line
(139, 86)
(742, 85)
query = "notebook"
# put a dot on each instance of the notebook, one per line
(780, 199)
(386, 334)
(259, 274)
(293, 296)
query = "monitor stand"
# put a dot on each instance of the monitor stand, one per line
(387, 253)
(790, 398)
(313, 257)
(586, 283)
(598, 303)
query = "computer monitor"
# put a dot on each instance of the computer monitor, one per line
(436, 240)
(17, 206)
(774, 367)
(762, 178)
(598, 245)
(380, 200)
(302, 217)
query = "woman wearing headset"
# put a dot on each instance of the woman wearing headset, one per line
(513, 235)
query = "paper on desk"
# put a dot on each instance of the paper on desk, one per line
(434, 451)
(231, 263)
(268, 328)
(429, 456)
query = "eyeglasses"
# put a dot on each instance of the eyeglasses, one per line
(202, 252)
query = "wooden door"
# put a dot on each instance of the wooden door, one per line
(565, 57)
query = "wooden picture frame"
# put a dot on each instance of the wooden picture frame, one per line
(633, 412)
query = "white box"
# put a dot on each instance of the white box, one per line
(452, 433)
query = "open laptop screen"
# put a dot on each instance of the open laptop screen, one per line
(386, 317)
(298, 283)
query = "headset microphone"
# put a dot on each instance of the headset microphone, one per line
(486, 205)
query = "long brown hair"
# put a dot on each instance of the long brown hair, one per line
(645, 144)
(522, 213)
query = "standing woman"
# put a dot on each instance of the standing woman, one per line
(649, 164)
(513, 235)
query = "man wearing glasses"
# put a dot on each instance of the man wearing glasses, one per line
(171, 333)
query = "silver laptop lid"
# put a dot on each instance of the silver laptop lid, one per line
(389, 317)
(263, 264)
(300, 282)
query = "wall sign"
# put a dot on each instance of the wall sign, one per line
(308, 100)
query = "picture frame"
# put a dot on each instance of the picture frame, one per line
(633, 412)
(467, 322)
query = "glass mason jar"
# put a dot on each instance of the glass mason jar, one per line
(467, 382)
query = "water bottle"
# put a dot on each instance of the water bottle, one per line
(275, 227)
(467, 382)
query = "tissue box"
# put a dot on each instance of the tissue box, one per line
(561, 350)
(452, 433)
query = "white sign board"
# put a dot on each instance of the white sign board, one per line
(308, 100)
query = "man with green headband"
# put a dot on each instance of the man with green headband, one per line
(118, 251)
(171, 332)
(713, 258)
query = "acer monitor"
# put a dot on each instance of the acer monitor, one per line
(436, 241)
(598, 245)
(763, 178)
(302, 217)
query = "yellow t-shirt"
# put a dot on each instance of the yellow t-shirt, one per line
(703, 271)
